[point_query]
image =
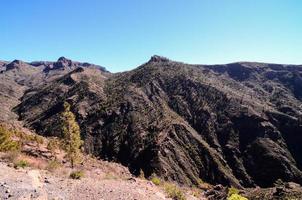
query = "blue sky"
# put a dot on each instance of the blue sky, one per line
(122, 34)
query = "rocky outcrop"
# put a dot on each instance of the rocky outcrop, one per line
(2, 65)
(16, 64)
(67, 64)
(236, 124)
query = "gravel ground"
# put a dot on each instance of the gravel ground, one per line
(28, 184)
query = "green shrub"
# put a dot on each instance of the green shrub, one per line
(77, 175)
(21, 163)
(233, 194)
(72, 135)
(156, 180)
(174, 192)
(236, 197)
(232, 191)
(27, 138)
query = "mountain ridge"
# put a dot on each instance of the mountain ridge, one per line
(156, 58)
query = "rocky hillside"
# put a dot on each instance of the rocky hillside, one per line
(97, 183)
(237, 124)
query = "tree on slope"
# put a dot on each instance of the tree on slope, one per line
(71, 135)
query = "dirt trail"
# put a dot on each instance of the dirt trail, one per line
(32, 184)
(20, 184)
(37, 185)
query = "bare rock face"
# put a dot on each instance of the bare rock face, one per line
(238, 124)
(67, 64)
(64, 63)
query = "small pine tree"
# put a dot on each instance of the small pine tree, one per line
(71, 135)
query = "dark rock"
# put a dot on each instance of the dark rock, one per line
(217, 193)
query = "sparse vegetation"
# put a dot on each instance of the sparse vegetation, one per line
(233, 194)
(203, 185)
(39, 140)
(196, 192)
(236, 197)
(110, 176)
(141, 174)
(77, 175)
(156, 180)
(53, 165)
(24, 138)
(232, 191)
(52, 145)
(21, 164)
(11, 156)
(174, 191)
(71, 134)
(6, 141)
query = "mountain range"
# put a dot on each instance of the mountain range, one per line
(235, 124)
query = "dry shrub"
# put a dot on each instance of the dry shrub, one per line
(11, 156)
(6, 140)
(174, 192)
(53, 165)
(21, 164)
(77, 175)
(156, 180)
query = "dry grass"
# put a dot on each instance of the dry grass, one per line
(174, 192)
(194, 191)
(33, 162)
(53, 165)
(110, 176)
(21, 164)
(10, 156)
(203, 185)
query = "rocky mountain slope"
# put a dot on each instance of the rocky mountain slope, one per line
(236, 124)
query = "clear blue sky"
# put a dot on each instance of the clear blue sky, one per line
(122, 34)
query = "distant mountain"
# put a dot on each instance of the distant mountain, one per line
(236, 124)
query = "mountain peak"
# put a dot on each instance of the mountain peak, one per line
(63, 59)
(15, 64)
(63, 63)
(157, 58)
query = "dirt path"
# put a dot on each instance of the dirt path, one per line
(38, 186)
(20, 184)
(32, 184)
